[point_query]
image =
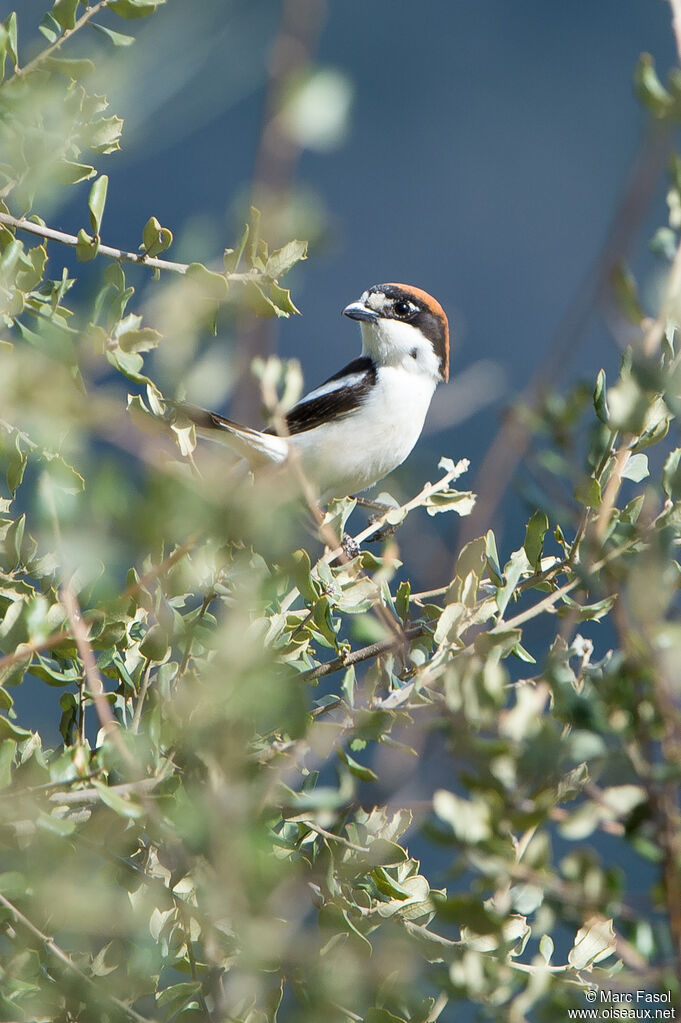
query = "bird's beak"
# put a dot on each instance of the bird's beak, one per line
(358, 311)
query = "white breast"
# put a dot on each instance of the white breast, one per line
(352, 454)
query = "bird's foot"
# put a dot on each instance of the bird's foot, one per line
(350, 547)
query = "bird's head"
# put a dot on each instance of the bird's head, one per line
(403, 325)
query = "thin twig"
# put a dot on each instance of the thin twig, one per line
(335, 838)
(612, 489)
(25, 651)
(188, 649)
(364, 654)
(66, 34)
(78, 797)
(108, 250)
(69, 602)
(51, 946)
(161, 568)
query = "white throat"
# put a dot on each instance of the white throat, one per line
(393, 343)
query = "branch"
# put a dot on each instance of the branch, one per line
(66, 34)
(107, 721)
(365, 654)
(439, 486)
(50, 945)
(107, 250)
(335, 838)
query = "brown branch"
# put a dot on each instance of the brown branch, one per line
(58, 953)
(364, 654)
(77, 797)
(612, 489)
(274, 167)
(69, 602)
(161, 568)
(26, 650)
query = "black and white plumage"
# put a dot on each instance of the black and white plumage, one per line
(363, 421)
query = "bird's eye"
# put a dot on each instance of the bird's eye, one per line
(403, 308)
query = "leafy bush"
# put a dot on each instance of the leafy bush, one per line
(219, 829)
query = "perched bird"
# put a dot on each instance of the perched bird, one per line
(363, 421)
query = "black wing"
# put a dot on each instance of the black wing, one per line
(339, 402)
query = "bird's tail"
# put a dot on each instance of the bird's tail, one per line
(255, 446)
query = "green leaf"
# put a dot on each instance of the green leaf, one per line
(376, 1015)
(671, 475)
(281, 261)
(593, 942)
(121, 805)
(117, 38)
(8, 730)
(10, 41)
(87, 247)
(97, 201)
(64, 12)
(154, 646)
(214, 286)
(301, 574)
(17, 461)
(232, 257)
(69, 173)
(469, 820)
(133, 9)
(460, 501)
(402, 599)
(636, 468)
(534, 538)
(103, 135)
(13, 542)
(384, 853)
(157, 239)
(503, 641)
(359, 771)
(626, 295)
(176, 995)
(588, 492)
(281, 297)
(649, 88)
(513, 570)
(601, 398)
(143, 340)
(72, 68)
(546, 947)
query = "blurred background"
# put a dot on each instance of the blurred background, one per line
(492, 153)
(479, 149)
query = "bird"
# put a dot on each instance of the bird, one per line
(364, 420)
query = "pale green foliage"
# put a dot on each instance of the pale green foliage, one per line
(206, 841)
